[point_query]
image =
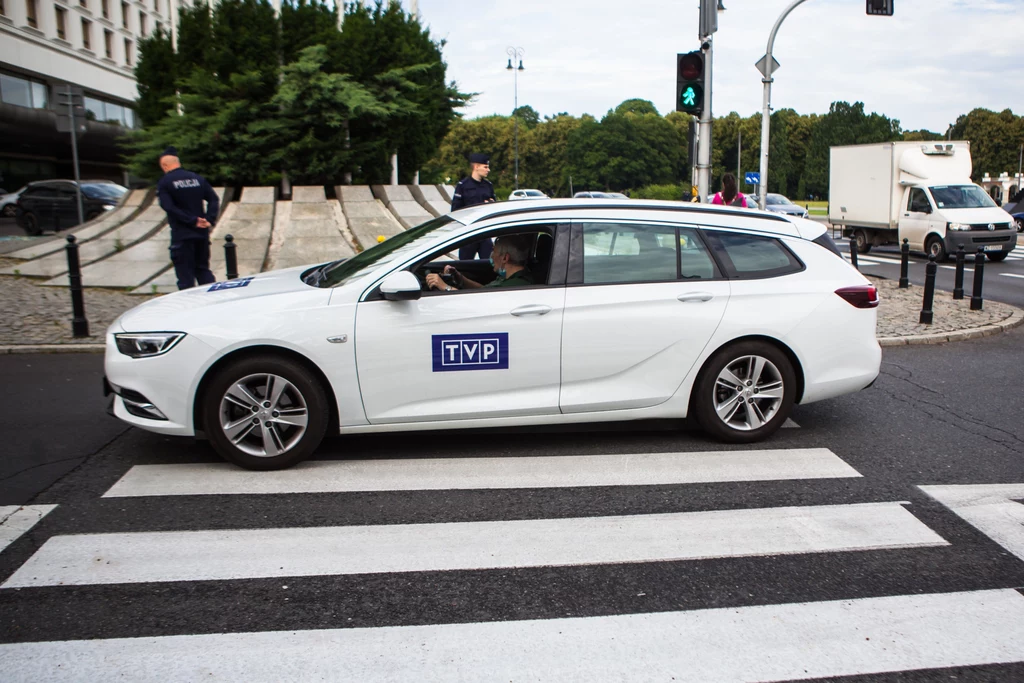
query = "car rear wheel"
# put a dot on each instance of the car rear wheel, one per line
(31, 223)
(9, 210)
(745, 393)
(860, 239)
(265, 412)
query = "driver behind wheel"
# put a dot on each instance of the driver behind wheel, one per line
(508, 260)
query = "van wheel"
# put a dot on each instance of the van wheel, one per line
(935, 247)
(265, 412)
(860, 238)
(745, 393)
(997, 255)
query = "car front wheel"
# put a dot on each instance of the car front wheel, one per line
(745, 392)
(265, 412)
(31, 223)
(997, 255)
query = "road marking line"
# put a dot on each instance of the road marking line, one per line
(789, 424)
(17, 519)
(760, 643)
(1012, 275)
(994, 509)
(330, 551)
(485, 473)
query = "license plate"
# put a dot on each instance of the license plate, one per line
(994, 247)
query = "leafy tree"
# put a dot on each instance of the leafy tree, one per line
(195, 39)
(844, 124)
(306, 23)
(155, 72)
(922, 135)
(543, 152)
(490, 135)
(527, 116)
(995, 140)
(624, 151)
(308, 135)
(637, 106)
(246, 39)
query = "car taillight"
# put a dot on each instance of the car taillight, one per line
(861, 296)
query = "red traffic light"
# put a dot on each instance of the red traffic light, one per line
(691, 66)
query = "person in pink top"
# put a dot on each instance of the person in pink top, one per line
(729, 196)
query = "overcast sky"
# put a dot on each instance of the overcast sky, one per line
(930, 62)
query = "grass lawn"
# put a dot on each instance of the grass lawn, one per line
(814, 208)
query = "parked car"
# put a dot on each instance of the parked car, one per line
(633, 313)
(527, 194)
(781, 204)
(591, 195)
(52, 204)
(8, 202)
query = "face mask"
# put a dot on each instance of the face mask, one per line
(501, 271)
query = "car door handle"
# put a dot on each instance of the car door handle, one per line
(531, 309)
(695, 297)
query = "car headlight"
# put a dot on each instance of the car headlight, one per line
(146, 344)
(109, 207)
(958, 226)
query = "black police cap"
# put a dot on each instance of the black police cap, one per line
(478, 158)
(170, 151)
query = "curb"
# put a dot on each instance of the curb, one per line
(52, 348)
(1014, 320)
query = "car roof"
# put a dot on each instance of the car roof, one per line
(635, 209)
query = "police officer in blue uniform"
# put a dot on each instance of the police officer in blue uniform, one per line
(475, 189)
(181, 194)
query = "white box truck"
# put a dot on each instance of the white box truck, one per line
(919, 191)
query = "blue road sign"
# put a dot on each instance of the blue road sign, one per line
(752, 178)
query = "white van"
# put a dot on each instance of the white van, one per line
(919, 191)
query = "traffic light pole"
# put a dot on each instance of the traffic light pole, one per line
(704, 134)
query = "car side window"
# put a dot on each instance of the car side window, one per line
(919, 201)
(753, 256)
(626, 252)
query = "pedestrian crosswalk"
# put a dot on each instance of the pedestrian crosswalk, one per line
(604, 567)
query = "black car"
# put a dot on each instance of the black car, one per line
(52, 204)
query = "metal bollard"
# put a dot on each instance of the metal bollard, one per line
(929, 290)
(979, 278)
(230, 257)
(79, 325)
(958, 282)
(905, 264)
(56, 222)
(853, 252)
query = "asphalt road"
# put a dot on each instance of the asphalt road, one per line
(1002, 281)
(938, 415)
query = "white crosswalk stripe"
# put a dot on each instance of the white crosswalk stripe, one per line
(15, 520)
(755, 640)
(766, 643)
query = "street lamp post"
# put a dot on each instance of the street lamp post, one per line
(515, 53)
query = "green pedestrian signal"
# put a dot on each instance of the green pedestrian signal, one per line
(690, 82)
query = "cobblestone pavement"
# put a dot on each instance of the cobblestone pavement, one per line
(32, 314)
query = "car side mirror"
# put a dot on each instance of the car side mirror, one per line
(401, 286)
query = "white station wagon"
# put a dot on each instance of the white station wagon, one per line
(638, 310)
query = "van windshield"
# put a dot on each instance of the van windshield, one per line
(960, 197)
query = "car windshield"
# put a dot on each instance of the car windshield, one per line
(777, 199)
(103, 190)
(961, 197)
(339, 272)
(534, 193)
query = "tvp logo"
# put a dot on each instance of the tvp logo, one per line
(230, 284)
(455, 352)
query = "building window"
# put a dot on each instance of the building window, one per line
(61, 23)
(84, 3)
(86, 34)
(158, 26)
(142, 23)
(108, 43)
(128, 51)
(105, 8)
(124, 14)
(109, 112)
(22, 92)
(3, 10)
(156, 6)
(30, 13)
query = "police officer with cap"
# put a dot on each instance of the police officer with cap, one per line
(475, 189)
(181, 194)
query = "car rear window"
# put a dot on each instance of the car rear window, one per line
(753, 256)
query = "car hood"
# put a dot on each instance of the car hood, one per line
(164, 313)
(987, 214)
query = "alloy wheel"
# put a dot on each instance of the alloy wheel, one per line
(263, 415)
(748, 392)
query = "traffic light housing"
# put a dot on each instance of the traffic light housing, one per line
(880, 7)
(690, 82)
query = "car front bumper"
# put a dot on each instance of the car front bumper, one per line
(986, 240)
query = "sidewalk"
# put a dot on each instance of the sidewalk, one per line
(38, 319)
